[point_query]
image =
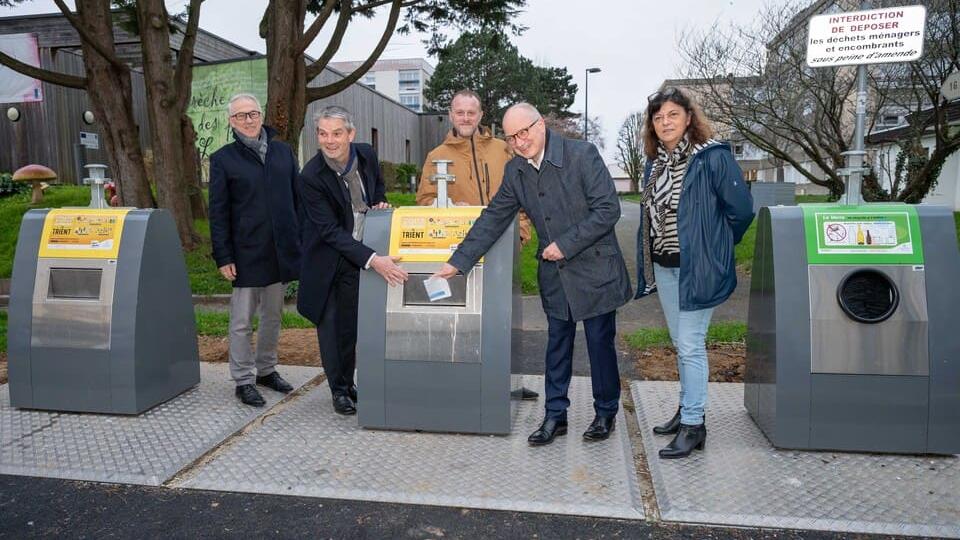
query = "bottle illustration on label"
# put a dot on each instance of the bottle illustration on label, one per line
(859, 235)
(869, 240)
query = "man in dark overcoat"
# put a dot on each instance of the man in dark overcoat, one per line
(565, 188)
(253, 228)
(338, 187)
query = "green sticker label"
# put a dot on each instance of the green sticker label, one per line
(867, 234)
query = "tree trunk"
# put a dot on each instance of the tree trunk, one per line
(111, 97)
(165, 118)
(286, 78)
(191, 168)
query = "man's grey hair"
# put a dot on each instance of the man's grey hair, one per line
(527, 108)
(241, 97)
(334, 111)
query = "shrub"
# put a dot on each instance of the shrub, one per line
(396, 176)
(404, 172)
(9, 187)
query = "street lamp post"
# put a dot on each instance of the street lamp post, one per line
(586, 97)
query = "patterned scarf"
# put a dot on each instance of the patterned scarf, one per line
(662, 192)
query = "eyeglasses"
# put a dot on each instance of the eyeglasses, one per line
(522, 134)
(243, 116)
(661, 118)
(666, 93)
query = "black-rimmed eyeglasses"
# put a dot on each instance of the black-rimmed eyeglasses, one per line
(522, 134)
(243, 116)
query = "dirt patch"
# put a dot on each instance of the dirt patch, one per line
(298, 347)
(660, 363)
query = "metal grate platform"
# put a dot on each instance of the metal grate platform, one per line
(144, 449)
(308, 450)
(740, 479)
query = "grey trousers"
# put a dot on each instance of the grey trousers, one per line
(243, 304)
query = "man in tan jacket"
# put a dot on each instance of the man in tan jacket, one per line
(478, 160)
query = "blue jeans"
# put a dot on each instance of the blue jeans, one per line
(688, 331)
(600, 332)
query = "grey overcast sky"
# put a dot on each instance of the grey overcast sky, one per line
(632, 41)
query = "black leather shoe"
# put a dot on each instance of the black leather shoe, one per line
(550, 429)
(249, 395)
(524, 393)
(352, 392)
(275, 382)
(342, 404)
(669, 428)
(687, 439)
(600, 428)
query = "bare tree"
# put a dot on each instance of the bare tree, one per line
(630, 155)
(764, 90)
(571, 127)
(754, 80)
(914, 88)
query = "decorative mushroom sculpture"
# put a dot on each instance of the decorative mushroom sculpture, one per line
(36, 175)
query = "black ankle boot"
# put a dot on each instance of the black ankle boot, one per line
(671, 427)
(687, 439)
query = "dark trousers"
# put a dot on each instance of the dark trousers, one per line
(337, 331)
(604, 372)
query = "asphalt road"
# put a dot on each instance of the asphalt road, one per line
(41, 507)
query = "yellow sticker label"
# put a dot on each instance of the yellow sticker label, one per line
(78, 233)
(426, 234)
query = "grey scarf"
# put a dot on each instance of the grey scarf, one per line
(258, 145)
(353, 181)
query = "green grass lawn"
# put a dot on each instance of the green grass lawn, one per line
(14, 207)
(396, 198)
(721, 332)
(217, 323)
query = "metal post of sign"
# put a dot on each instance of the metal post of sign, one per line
(855, 158)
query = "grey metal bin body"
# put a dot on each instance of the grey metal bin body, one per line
(444, 366)
(126, 343)
(815, 379)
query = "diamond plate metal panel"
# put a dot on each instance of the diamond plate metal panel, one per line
(308, 450)
(145, 449)
(740, 479)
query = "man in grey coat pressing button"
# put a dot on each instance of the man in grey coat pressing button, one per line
(566, 190)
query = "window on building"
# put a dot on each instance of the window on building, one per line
(738, 150)
(409, 80)
(375, 140)
(890, 119)
(370, 79)
(412, 101)
(406, 151)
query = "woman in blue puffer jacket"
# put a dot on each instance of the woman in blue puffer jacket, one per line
(698, 207)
